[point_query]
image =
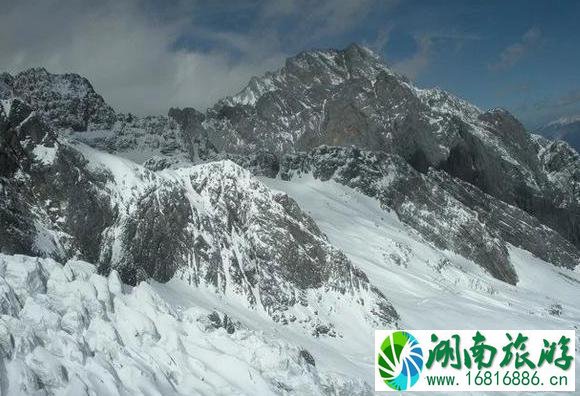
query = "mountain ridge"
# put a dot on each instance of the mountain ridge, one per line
(342, 98)
(564, 128)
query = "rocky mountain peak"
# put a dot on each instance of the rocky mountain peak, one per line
(313, 69)
(511, 132)
(350, 97)
(65, 101)
(498, 115)
(351, 62)
(35, 72)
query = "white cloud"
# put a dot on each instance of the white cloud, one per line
(513, 53)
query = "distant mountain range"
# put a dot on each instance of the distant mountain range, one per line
(567, 129)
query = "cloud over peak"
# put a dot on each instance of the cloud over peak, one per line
(128, 55)
(145, 56)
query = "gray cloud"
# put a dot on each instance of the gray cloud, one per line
(381, 40)
(127, 49)
(128, 55)
(515, 52)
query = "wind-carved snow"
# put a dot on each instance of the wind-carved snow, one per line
(67, 330)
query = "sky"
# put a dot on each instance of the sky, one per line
(145, 56)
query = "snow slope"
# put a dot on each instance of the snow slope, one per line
(434, 289)
(67, 330)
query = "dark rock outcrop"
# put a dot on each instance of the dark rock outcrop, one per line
(65, 101)
(193, 136)
(448, 212)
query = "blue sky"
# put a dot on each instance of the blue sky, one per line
(147, 55)
(522, 55)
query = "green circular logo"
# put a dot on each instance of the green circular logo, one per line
(400, 360)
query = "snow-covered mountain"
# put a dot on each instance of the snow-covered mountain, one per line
(565, 128)
(266, 238)
(350, 97)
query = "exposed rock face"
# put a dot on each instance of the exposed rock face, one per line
(561, 163)
(446, 211)
(193, 135)
(26, 144)
(471, 161)
(350, 97)
(161, 198)
(140, 139)
(65, 101)
(343, 98)
(188, 118)
(5, 85)
(213, 225)
(512, 224)
(261, 163)
(157, 142)
(438, 216)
